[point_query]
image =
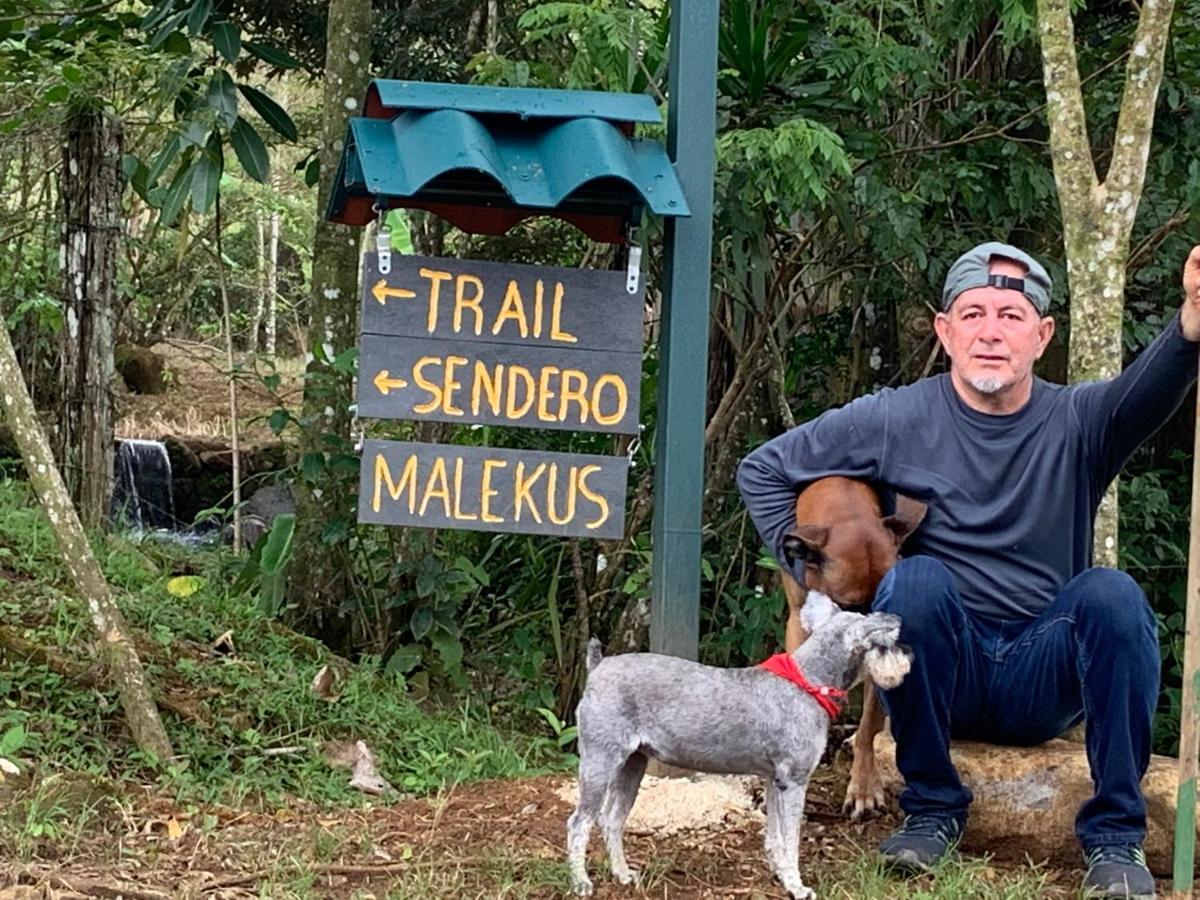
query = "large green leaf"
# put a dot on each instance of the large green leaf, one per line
(163, 161)
(271, 55)
(176, 193)
(250, 149)
(227, 38)
(222, 98)
(278, 548)
(270, 111)
(198, 15)
(167, 29)
(206, 174)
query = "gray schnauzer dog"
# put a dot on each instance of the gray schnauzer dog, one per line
(731, 721)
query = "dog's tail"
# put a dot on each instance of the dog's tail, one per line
(594, 655)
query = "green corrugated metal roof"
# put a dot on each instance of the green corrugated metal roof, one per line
(538, 166)
(563, 152)
(532, 103)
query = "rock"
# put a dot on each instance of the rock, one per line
(141, 369)
(1026, 799)
(261, 509)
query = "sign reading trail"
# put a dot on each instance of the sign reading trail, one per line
(469, 341)
(489, 489)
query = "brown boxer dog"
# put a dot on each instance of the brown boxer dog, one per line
(847, 545)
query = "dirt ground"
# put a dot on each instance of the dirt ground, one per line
(480, 840)
(196, 400)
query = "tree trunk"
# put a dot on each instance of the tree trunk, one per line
(91, 197)
(272, 286)
(116, 645)
(260, 272)
(1098, 216)
(319, 582)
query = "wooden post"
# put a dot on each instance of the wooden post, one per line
(1189, 712)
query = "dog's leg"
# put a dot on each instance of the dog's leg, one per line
(791, 811)
(617, 805)
(795, 634)
(772, 835)
(865, 792)
(596, 772)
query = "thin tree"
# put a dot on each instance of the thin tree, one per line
(116, 644)
(1098, 215)
(319, 581)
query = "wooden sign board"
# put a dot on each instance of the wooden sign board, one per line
(490, 489)
(468, 341)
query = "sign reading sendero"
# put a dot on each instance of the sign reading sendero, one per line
(489, 489)
(497, 343)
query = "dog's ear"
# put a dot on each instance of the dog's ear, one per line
(817, 610)
(908, 516)
(804, 543)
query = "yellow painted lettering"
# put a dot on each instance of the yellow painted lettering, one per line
(598, 499)
(511, 410)
(437, 486)
(485, 382)
(452, 363)
(552, 491)
(522, 487)
(458, 513)
(461, 301)
(539, 294)
(513, 307)
(545, 394)
(556, 332)
(436, 277)
(434, 389)
(578, 394)
(407, 477)
(618, 385)
(487, 492)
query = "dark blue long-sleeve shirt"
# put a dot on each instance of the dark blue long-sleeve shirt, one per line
(1011, 498)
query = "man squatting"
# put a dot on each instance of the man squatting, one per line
(1016, 635)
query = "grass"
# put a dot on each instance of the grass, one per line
(230, 709)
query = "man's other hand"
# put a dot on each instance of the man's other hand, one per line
(1189, 314)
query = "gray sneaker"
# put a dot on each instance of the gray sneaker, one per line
(921, 842)
(1118, 871)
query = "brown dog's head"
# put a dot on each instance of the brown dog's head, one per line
(847, 559)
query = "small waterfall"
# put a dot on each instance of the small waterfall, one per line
(143, 495)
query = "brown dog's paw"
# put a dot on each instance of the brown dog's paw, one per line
(865, 794)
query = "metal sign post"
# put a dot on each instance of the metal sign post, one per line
(683, 349)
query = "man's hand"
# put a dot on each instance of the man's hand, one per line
(1189, 313)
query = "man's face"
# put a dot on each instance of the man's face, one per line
(993, 336)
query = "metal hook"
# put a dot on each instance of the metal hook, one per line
(383, 239)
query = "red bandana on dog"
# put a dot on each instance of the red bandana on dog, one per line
(831, 699)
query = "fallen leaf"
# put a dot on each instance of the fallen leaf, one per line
(185, 585)
(223, 645)
(324, 684)
(8, 767)
(174, 829)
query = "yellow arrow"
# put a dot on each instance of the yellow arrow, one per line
(382, 291)
(385, 384)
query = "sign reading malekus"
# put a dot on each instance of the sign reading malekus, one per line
(469, 341)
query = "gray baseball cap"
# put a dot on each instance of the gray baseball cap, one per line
(971, 271)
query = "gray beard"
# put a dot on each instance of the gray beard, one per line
(988, 386)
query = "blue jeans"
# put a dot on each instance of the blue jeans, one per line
(1093, 653)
